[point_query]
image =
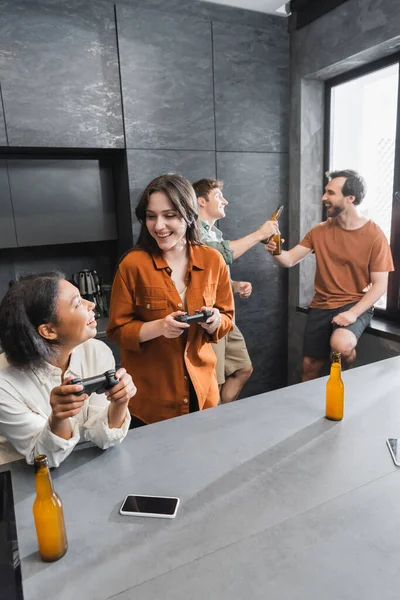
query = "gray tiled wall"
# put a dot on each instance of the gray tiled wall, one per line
(251, 87)
(167, 85)
(255, 183)
(7, 226)
(144, 165)
(3, 135)
(59, 74)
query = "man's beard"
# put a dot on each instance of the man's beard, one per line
(335, 211)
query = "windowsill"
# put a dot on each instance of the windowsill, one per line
(379, 327)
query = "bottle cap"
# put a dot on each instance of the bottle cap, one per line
(336, 356)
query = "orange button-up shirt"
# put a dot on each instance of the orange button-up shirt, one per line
(144, 291)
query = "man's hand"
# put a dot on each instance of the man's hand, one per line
(244, 288)
(345, 318)
(268, 229)
(172, 328)
(271, 246)
(124, 390)
(213, 322)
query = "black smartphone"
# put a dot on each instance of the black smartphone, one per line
(394, 449)
(164, 507)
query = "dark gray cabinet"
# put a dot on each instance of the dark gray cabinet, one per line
(8, 238)
(59, 74)
(251, 73)
(62, 201)
(166, 77)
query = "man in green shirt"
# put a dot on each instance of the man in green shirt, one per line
(233, 361)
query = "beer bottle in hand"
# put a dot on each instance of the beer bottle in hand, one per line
(48, 514)
(277, 240)
(275, 217)
(335, 391)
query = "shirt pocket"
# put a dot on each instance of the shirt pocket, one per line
(151, 308)
(209, 294)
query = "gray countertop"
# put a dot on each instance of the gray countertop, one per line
(276, 503)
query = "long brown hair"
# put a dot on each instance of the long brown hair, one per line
(183, 198)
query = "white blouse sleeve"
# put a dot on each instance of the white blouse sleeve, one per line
(30, 433)
(95, 426)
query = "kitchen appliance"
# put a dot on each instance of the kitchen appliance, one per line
(90, 287)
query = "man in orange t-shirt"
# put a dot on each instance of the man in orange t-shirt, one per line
(353, 261)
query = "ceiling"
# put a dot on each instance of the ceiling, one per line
(265, 6)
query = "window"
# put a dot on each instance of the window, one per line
(362, 134)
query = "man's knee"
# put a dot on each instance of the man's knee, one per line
(244, 373)
(343, 341)
(311, 368)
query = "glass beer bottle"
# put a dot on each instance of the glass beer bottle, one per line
(277, 240)
(48, 514)
(335, 391)
(275, 217)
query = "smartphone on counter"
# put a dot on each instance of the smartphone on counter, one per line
(162, 507)
(394, 449)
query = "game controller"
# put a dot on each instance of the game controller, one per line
(198, 315)
(98, 384)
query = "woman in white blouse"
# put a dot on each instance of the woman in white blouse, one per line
(47, 334)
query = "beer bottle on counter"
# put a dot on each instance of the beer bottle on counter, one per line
(48, 514)
(335, 390)
(277, 236)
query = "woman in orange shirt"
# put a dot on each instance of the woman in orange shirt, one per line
(168, 273)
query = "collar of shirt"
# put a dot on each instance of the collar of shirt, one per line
(49, 371)
(213, 229)
(195, 260)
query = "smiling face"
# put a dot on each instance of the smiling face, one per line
(212, 207)
(333, 199)
(75, 318)
(164, 223)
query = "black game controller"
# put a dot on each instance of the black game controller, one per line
(98, 384)
(198, 315)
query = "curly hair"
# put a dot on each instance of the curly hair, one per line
(28, 303)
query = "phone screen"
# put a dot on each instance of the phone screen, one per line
(150, 505)
(394, 447)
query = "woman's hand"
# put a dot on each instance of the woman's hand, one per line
(172, 328)
(213, 322)
(64, 402)
(123, 391)
(119, 396)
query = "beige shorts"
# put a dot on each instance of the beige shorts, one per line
(231, 353)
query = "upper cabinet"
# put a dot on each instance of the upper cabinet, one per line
(166, 77)
(251, 71)
(62, 201)
(59, 74)
(8, 238)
